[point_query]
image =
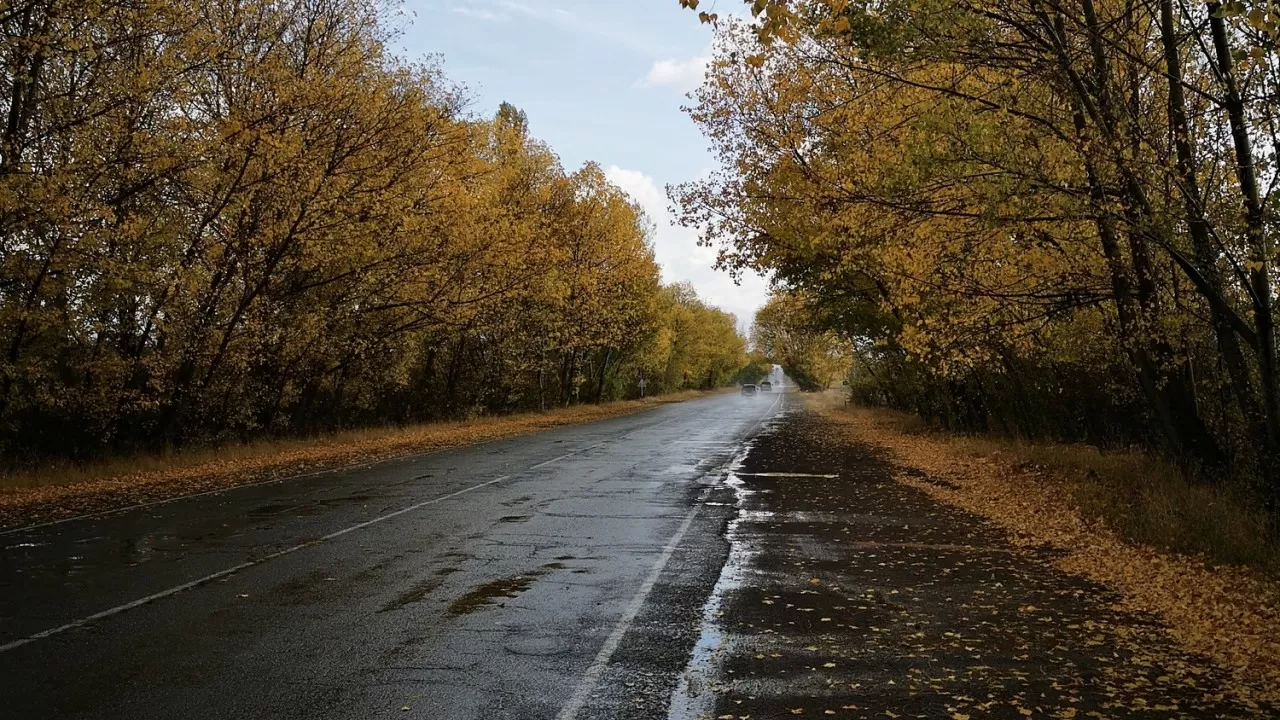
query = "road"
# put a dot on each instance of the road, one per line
(555, 575)
(724, 557)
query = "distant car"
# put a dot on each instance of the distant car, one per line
(766, 386)
(748, 389)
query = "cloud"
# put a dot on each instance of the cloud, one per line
(522, 8)
(590, 24)
(482, 14)
(682, 259)
(683, 75)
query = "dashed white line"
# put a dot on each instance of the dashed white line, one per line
(280, 553)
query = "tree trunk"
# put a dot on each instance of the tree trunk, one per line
(1206, 255)
(1255, 233)
(603, 367)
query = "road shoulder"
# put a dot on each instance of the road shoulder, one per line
(850, 593)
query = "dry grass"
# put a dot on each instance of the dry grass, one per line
(1152, 502)
(56, 492)
(1143, 498)
(1046, 495)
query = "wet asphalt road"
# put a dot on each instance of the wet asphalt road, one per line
(723, 558)
(557, 575)
(847, 594)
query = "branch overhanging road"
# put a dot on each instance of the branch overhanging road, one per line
(724, 557)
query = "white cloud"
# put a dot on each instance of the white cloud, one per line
(521, 8)
(683, 75)
(682, 259)
(589, 24)
(482, 14)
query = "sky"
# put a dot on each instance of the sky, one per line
(600, 81)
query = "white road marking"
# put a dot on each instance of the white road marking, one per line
(555, 459)
(252, 563)
(592, 676)
(237, 568)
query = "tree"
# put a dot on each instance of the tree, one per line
(234, 220)
(1044, 216)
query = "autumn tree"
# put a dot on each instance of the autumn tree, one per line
(1047, 216)
(231, 219)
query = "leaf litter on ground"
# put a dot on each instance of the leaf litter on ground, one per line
(1230, 615)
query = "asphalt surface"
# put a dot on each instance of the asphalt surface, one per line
(556, 575)
(727, 557)
(851, 595)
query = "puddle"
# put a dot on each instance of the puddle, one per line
(414, 594)
(695, 694)
(493, 593)
(489, 594)
(513, 518)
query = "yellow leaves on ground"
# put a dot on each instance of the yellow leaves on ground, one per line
(1224, 613)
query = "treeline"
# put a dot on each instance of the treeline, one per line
(1052, 218)
(220, 220)
(812, 355)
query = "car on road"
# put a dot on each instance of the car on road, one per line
(748, 389)
(766, 386)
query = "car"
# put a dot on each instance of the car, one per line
(748, 389)
(766, 386)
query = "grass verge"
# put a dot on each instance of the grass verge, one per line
(1144, 499)
(54, 493)
(1066, 497)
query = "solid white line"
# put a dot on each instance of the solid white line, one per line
(237, 568)
(592, 677)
